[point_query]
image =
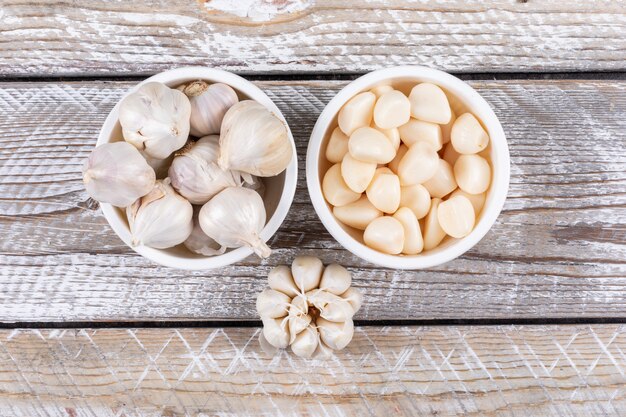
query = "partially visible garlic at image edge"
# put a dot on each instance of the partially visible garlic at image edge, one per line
(308, 308)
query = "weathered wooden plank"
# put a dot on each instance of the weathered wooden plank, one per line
(395, 371)
(557, 250)
(284, 36)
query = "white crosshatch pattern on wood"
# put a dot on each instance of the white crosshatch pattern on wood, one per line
(478, 370)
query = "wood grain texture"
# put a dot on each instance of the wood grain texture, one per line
(398, 371)
(557, 250)
(284, 36)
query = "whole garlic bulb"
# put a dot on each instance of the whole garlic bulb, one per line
(117, 174)
(209, 104)
(198, 242)
(235, 218)
(155, 119)
(160, 219)
(254, 140)
(195, 174)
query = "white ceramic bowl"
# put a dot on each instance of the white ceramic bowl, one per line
(279, 190)
(462, 98)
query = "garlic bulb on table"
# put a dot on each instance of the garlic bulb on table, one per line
(235, 218)
(195, 174)
(160, 219)
(254, 140)
(117, 174)
(198, 242)
(155, 119)
(209, 104)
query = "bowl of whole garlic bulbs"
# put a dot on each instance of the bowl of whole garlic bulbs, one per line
(408, 167)
(194, 168)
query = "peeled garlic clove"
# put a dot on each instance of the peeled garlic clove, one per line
(418, 165)
(456, 216)
(417, 198)
(305, 343)
(337, 146)
(254, 140)
(322, 351)
(450, 155)
(384, 190)
(195, 173)
(419, 131)
(385, 234)
(335, 189)
(276, 332)
(358, 214)
(394, 164)
(357, 174)
(413, 242)
(392, 134)
(472, 173)
(160, 219)
(280, 279)
(447, 128)
(392, 109)
(272, 304)
(209, 104)
(198, 242)
(335, 335)
(433, 233)
(477, 200)
(336, 279)
(155, 119)
(370, 145)
(429, 103)
(443, 182)
(117, 174)
(467, 135)
(354, 297)
(160, 166)
(235, 218)
(381, 89)
(356, 113)
(306, 272)
(331, 307)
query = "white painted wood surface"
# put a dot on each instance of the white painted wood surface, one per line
(512, 371)
(557, 250)
(284, 36)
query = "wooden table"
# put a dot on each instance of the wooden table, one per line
(529, 322)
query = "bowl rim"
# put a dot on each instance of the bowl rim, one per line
(500, 165)
(240, 84)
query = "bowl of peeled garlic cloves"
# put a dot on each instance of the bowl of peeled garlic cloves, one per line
(195, 168)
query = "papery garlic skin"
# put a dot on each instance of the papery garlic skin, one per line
(198, 242)
(155, 119)
(235, 218)
(254, 140)
(160, 219)
(209, 104)
(117, 174)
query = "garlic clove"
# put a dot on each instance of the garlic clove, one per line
(472, 173)
(392, 134)
(160, 166)
(357, 174)
(297, 324)
(335, 189)
(393, 165)
(254, 140)
(272, 304)
(417, 198)
(280, 279)
(117, 174)
(235, 218)
(384, 190)
(305, 343)
(450, 155)
(335, 335)
(357, 112)
(447, 128)
(370, 145)
(323, 351)
(477, 200)
(155, 119)
(336, 279)
(209, 104)
(198, 242)
(276, 332)
(419, 131)
(456, 216)
(413, 241)
(385, 234)
(299, 306)
(358, 214)
(306, 272)
(354, 297)
(381, 89)
(337, 146)
(331, 307)
(160, 219)
(429, 103)
(418, 165)
(467, 135)
(443, 182)
(392, 109)
(433, 233)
